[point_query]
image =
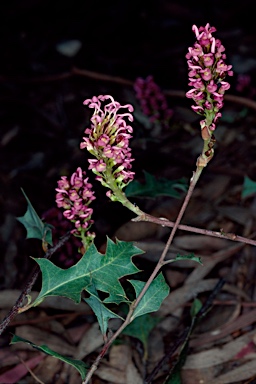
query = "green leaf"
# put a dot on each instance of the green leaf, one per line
(153, 298)
(174, 379)
(103, 270)
(191, 256)
(77, 364)
(156, 187)
(36, 228)
(141, 328)
(102, 313)
(249, 187)
(196, 306)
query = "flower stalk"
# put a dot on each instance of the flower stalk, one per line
(207, 71)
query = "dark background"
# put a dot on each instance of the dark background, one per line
(41, 113)
(42, 120)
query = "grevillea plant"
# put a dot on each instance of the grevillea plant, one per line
(108, 142)
(152, 101)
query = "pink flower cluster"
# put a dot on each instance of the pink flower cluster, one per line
(152, 100)
(108, 140)
(207, 71)
(74, 196)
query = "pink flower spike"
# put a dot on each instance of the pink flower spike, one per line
(108, 137)
(208, 78)
(75, 199)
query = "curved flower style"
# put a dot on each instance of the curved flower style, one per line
(74, 196)
(207, 71)
(108, 140)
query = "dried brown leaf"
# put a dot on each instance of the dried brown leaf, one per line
(39, 337)
(244, 372)
(91, 340)
(47, 369)
(182, 295)
(241, 322)
(15, 374)
(120, 368)
(218, 355)
(240, 215)
(209, 262)
(200, 242)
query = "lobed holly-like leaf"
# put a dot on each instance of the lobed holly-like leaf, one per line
(36, 228)
(102, 313)
(156, 187)
(249, 188)
(77, 364)
(153, 298)
(103, 270)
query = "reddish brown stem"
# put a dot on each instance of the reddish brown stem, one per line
(114, 79)
(151, 278)
(222, 235)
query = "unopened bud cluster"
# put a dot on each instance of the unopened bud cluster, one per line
(207, 71)
(74, 196)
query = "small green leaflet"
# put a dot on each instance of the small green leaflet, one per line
(195, 308)
(102, 313)
(103, 270)
(153, 298)
(156, 187)
(36, 229)
(141, 328)
(191, 256)
(249, 187)
(78, 364)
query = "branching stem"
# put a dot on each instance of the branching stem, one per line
(159, 265)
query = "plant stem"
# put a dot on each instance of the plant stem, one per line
(221, 235)
(28, 287)
(119, 194)
(108, 344)
(159, 265)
